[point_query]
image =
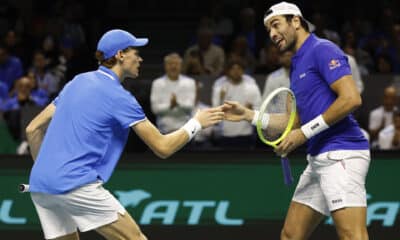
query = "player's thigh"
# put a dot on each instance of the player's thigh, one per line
(72, 236)
(55, 221)
(350, 222)
(124, 228)
(300, 222)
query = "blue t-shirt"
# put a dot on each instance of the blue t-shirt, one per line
(315, 66)
(87, 133)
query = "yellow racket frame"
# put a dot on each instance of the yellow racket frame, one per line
(290, 124)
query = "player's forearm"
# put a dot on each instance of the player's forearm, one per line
(340, 108)
(35, 139)
(171, 143)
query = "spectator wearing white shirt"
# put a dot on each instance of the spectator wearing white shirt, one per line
(46, 80)
(389, 137)
(355, 72)
(279, 77)
(172, 95)
(382, 116)
(236, 86)
(203, 139)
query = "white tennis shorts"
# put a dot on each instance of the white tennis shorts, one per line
(334, 180)
(86, 208)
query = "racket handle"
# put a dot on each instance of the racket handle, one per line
(23, 188)
(287, 173)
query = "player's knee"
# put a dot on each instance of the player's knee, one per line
(352, 233)
(288, 233)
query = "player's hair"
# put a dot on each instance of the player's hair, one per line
(303, 22)
(110, 62)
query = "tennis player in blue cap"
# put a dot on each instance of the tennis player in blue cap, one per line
(88, 125)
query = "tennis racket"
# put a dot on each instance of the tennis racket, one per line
(22, 188)
(280, 105)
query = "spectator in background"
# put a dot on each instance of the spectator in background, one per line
(388, 41)
(204, 57)
(269, 59)
(396, 46)
(382, 116)
(355, 72)
(14, 44)
(247, 28)
(236, 86)
(24, 95)
(280, 77)
(45, 80)
(3, 92)
(219, 22)
(241, 50)
(363, 58)
(50, 49)
(172, 96)
(389, 137)
(10, 67)
(203, 139)
(321, 30)
(383, 64)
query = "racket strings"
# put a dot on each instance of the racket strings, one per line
(279, 109)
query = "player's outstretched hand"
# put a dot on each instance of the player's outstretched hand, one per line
(236, 112)
(209, 116)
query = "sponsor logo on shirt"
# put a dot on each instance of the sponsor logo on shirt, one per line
(334, 64)
(303, 75)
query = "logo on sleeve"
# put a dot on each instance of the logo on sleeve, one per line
(334, 64)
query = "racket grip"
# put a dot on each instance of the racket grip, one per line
(287, 173)
(23, 188)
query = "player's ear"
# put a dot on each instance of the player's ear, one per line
(119, 56)
(296, 22)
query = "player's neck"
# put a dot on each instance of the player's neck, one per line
(118, 71)
(301, 38)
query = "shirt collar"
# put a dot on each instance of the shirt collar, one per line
(109, 73)
(306, 44)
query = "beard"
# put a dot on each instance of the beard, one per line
(290, 46)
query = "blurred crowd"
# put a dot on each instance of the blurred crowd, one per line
(43, 44)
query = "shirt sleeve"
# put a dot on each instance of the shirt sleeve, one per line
(331, 62)
(57, 99)
(127, 111)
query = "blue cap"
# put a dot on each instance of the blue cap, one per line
(114, 40)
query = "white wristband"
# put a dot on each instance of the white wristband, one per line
(314, 127)
(192, 127)
(264, 119)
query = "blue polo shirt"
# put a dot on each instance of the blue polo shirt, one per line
(315, 66)
(87, 133)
